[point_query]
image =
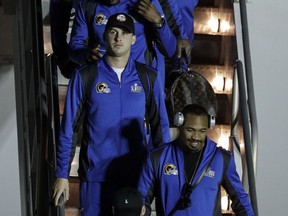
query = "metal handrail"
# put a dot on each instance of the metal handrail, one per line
(54, 124)
(249, 81)
(234, 137)
(246, 102)
(248, 142)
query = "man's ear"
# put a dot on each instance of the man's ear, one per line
(133, 39)
(143, 210)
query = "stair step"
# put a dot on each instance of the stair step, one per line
(69, 211)
(73, 201)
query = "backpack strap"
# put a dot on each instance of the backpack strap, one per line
(89, 7)
(178, 204)
(88, 74)
(226, 158)
(147, 77)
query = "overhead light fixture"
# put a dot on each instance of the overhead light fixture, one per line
(214, 21)
(214, 25)
(228, 85)
(224, 203)
(218, 83)
(224, 26)
(224, 141)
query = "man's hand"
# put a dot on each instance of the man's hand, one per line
(61, 186)
(183, 44)
(148, 11)
(94, 54)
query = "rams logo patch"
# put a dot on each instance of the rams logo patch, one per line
(170, 169)
(102, 88)
(100, 19)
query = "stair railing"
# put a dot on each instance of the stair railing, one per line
(240, 105)
(53, 129)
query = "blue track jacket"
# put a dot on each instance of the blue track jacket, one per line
(164, 177)
(114, 141)
(164, 41)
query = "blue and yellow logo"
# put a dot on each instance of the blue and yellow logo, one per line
(170, 169)
(100, 19)
(102, 88)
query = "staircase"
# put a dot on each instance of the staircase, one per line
(213, 56)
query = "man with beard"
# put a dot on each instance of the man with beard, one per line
(185, 175)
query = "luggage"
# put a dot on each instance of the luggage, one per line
(190, 88)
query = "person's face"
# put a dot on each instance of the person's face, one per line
(119, 42)
(193, 133)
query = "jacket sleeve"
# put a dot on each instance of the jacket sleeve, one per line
(79, 36)
(159, 122)
(68, 132)
(146, 184)
(233, 186)
(164, 38)
(59, 22)
(173, 18)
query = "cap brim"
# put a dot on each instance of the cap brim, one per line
(125, 28)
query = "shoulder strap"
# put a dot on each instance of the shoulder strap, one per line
(205, 170)
(147, 77)
(88, 75)
(89, 7)
(176, 207)
(156, 157)
(143, 72)
(226, 158)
